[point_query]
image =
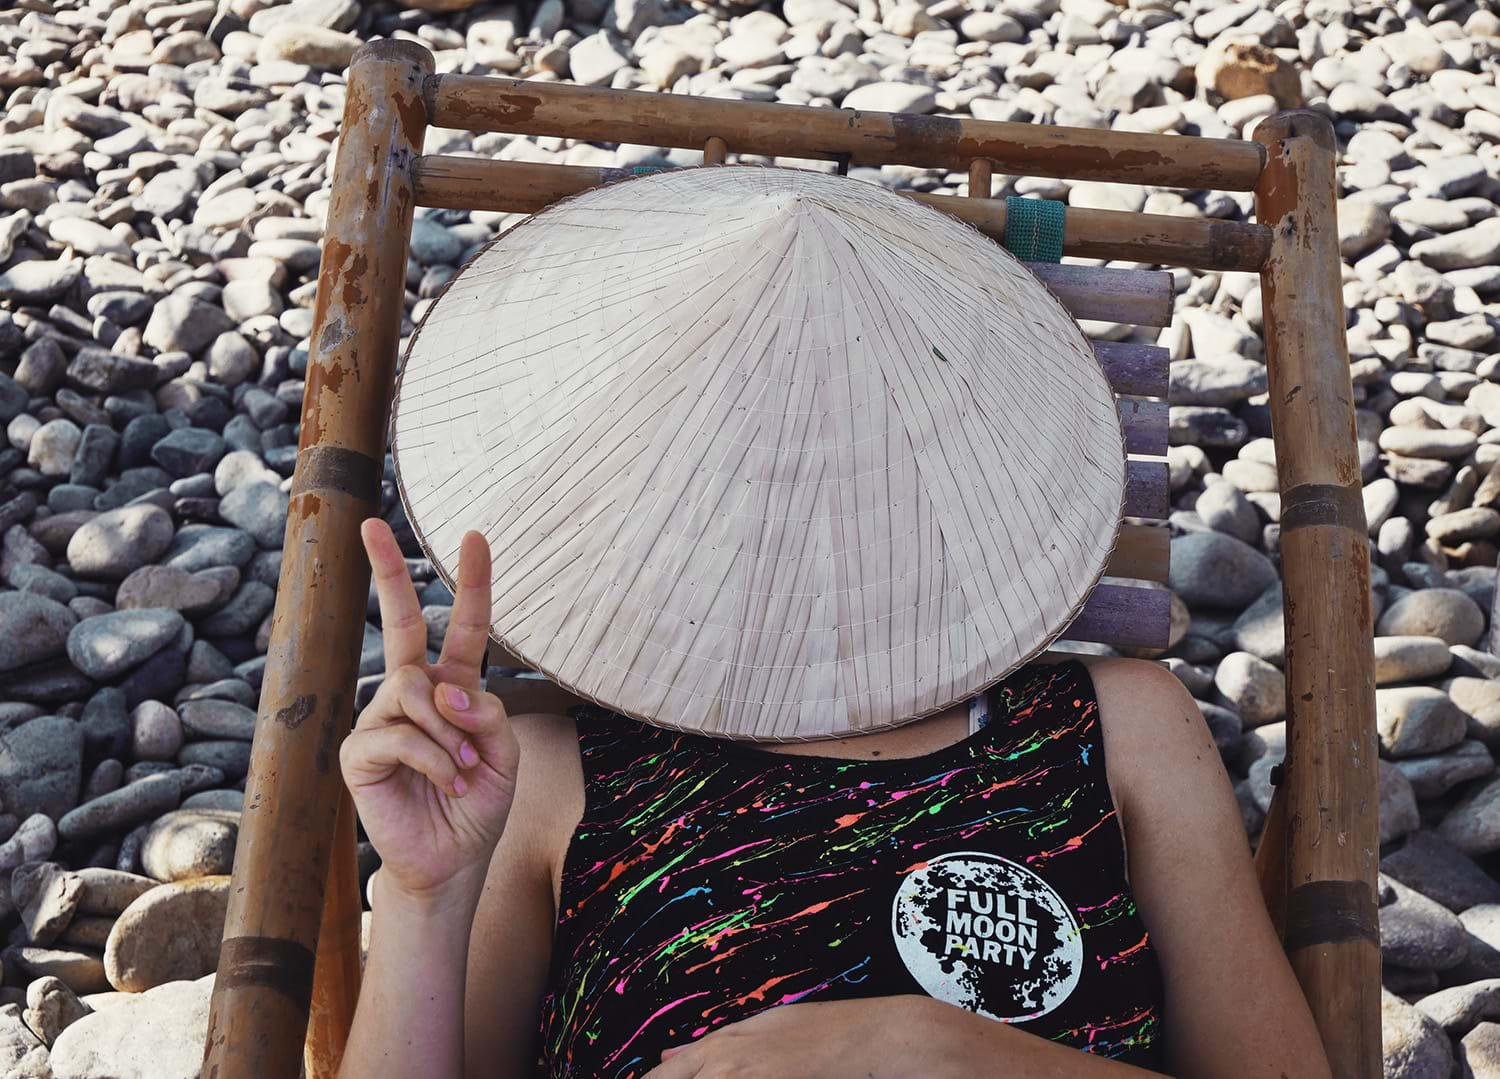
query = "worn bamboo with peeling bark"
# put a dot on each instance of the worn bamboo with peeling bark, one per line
(528, 107)
(286, 840)
(473, 183)
(1332, 848)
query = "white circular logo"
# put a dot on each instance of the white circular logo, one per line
(987, 934)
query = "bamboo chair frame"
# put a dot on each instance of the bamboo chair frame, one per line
(289, 965)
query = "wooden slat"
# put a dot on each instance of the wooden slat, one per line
(1140, 370)
(487, 103)
(1145, 423)
(1147, 489)
(474, 183)
(1125, 617)
(1139, 297)
(1141, 552)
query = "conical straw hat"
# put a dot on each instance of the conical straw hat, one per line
(762, 453)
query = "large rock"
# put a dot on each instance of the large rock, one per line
(32, 628)
(170, 933)
(1235, 69)
(1445, 613)
(110, 644)
(41, 766)
(261, 510)
(1211, 569)
(1410, 659)
(51, 1007)
(1413, 720)
(121, 809)
(156, 1035)
(1434, 867)
(177, 589)
(1417, 933)
(301, 43)
(1473, 824)
(1433, 776)
(181, 323)
(218, 719)
(1413, 1044)
(107, 892)
(188, 843)
(51, 903)
(113, 544)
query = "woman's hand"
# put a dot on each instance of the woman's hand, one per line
(873, 1038)
(431, 763)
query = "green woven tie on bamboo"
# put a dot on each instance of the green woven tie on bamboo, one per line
(1034, 229)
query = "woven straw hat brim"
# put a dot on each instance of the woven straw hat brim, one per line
(762, 453)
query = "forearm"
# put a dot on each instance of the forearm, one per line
(977, 1048)
(410, 1016)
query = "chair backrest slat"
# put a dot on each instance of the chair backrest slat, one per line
(1124, 616)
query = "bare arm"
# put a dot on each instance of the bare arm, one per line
(511, 945)
(1191, 870)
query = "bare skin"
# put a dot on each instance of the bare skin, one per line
(466, 900)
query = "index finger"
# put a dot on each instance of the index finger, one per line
(401, 625)
(468, 635)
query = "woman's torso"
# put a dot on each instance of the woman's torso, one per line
(708, 880)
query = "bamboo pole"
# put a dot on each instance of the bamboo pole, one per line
(1330, 781)
(337, 974)
(715, 150)
(262, 992)
(528, 107)
(474, 183)
(981, 179)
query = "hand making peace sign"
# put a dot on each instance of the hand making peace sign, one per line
(431, 763)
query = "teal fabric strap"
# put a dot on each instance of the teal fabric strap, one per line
(1034, 229)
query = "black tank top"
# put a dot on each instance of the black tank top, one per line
(709, 880)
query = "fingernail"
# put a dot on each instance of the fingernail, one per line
(457, 698)
(459, 786)
(467, 756)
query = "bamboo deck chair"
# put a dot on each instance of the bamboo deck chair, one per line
(289, 965)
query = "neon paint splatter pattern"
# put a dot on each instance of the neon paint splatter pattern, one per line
(709, 880)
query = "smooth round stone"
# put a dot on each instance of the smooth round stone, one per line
(1473, 824)
(188, 450)
(1253, 688)
(1435, 775)
(81, 971)
(176, 589)
(48, 901)
(260, 509)
(107, 892)
(229, 800)
(170, 933)
(1224, 508)
(1445, 613)
(1398, 812)
(190, 843)
(1224, 381)
(158, 1034)
(1410, 659)
(111, 644)
(156, 732)
(1412, 1045)
(1458, 1008)
(53, 446)
(1428, 443)
(1460, 525)
(41, 766)
(201, 547)
(147, 798)
(1417, 933)
(243, 612)
(1439, 871)
(230, 757)
(181, 323)
(33, 628)
(1481, 1047)
(1413, 720)
(51, 1007)
(1251, 476)
(1211, 569)
(218, 719)
(891, 97)
(432, 243)
(114, 543)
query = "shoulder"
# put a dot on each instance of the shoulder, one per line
(549, 785)
(1154, 733)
